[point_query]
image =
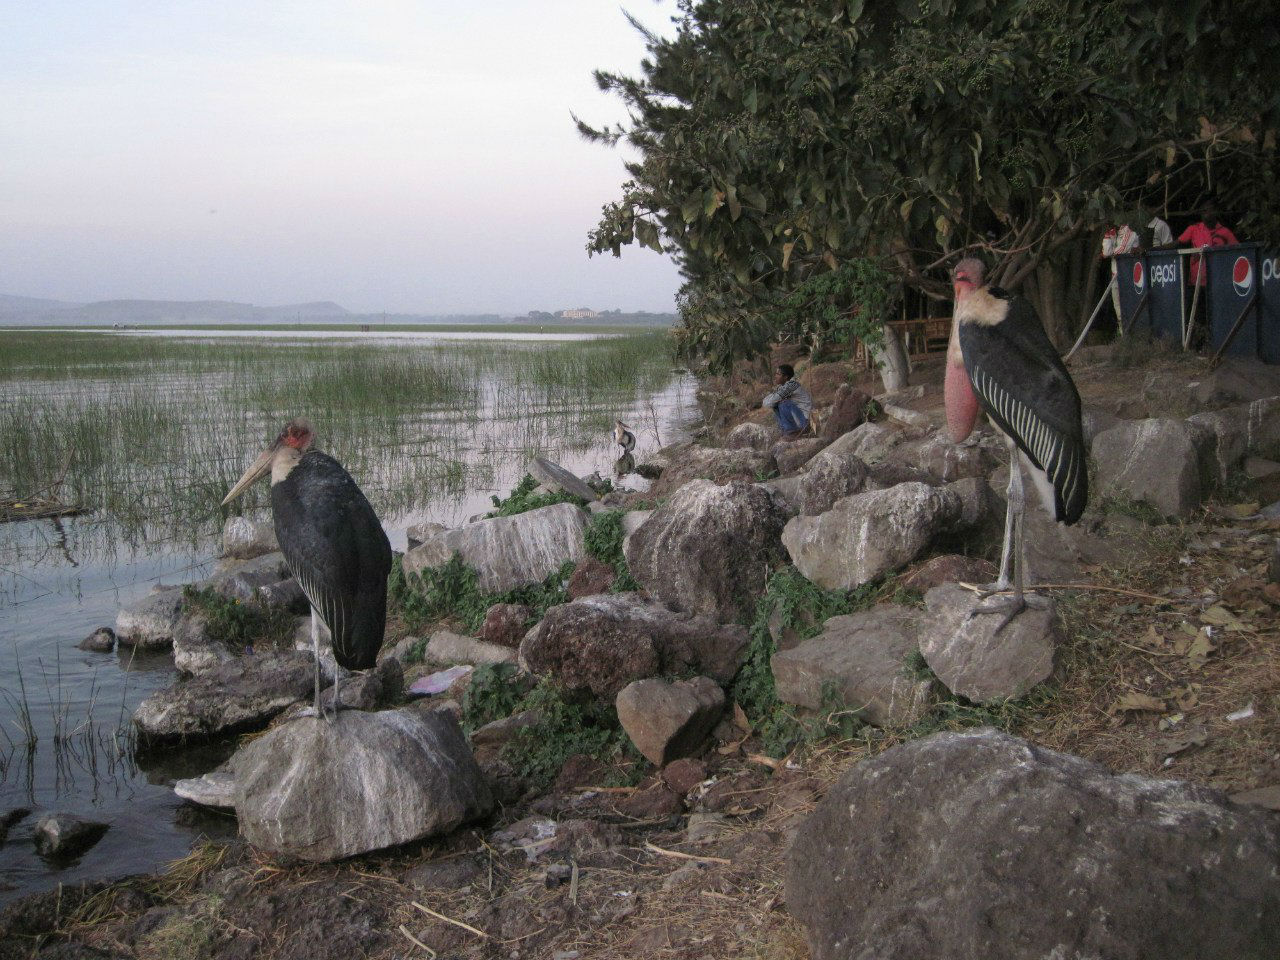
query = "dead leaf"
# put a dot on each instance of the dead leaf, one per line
(1188, 697)
(1139, 702)
(1200, 649)
(740, 717)
(1220, 616)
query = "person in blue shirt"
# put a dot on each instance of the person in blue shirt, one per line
(790, 402)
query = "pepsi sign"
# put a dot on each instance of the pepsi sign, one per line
(1233, 301)
(1163, 273)
(1242, 276)
(1139, 276)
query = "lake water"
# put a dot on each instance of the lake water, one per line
(60, 580)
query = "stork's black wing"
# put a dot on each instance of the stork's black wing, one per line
(1023, 385)
(338, 552)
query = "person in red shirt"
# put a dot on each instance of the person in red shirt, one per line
(1209, 232)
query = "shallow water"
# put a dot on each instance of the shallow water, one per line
(372, 336)
(60, 580)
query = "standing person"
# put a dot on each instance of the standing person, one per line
(1116, 241)
(790, 402)
(1209, 232)
(1161, 235)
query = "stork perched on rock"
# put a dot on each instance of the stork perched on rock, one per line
(332, 542)
(1001, 360)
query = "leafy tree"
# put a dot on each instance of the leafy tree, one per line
(780, 139)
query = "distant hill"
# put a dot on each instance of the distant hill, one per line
(604, 317)
(30, 310)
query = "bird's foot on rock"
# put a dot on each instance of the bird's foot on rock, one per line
(1007, 604)
(308, 712)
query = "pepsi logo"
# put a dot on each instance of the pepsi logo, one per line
(1139, 276)
(1242, 276)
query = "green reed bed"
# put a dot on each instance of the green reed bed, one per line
(151, 432)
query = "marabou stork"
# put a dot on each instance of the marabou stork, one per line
(624, 438)
(332, 542)
(1001, 360)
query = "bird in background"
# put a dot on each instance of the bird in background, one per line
(624, 438)
(332, 542)
(1001, 361)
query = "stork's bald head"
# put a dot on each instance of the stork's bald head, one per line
(969, 271)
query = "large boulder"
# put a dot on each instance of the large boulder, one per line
(861, 661)
(1236, 380)
(828, 478)
(870, 442)
(751, 436)
(708, 548)
(323, 791)
(557, 478)
(975, 659)
(505, 624)
(245, 580)
(244, 538)
(791, 455)
(869, 534)
(1263, 422)
(1221, 439)
(1008, 850)
(848, 410)
(603, 642)
(508, 552)
(1155, 461)
(712, 463)
(945, 461)
(232, 698)
(668, 720)
(150, 623)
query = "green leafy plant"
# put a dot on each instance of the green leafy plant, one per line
(492, 693)
(238, 624)
(522, 499)
(603, 540)
(453, 591)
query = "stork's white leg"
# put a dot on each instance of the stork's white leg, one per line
(314, 710)
(1012, 557)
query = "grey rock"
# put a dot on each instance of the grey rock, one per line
(102, 640)
(558, 479)
(1155, 461)
(631, 521)
(446, 647)
(869, 534)
(669, 720)
(953, 846)
(719, 465)
(861, 659)
(944, 461)
(1094, 419)
(150, 623)
(241, 579)
(419, 533)
(498, 732)
(1263, 427)
(708, 548)
(830, 476)
(869, 442)
(1256, 468)
(603, 642)
(194, 651)
(1268, 797)
(1221, 440)
(323, 791)
(905, 415)
(214, 789)
(244, 538)
(505, 624)
(751, 436)
(64, 835)
(791, 455)
(1236, 380)
(975, 661)
(785, 492)
(980, 508)
(383, 686)
(509, 552)
(232, 698)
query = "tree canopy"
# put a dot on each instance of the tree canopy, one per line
(782, 139)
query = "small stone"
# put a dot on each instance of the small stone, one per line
(194, 651)
(975, 661)
(102, 640)
(214, 789)
(684, 774)
(448, 647)
(847, 411)
(1268, 797)
(64, 835)
(668, 720)
(149, 623)
(505, 624)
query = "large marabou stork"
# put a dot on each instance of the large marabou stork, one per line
(332, 542)
(1000, 359)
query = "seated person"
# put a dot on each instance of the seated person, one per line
(790, 402)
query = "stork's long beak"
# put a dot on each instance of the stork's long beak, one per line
(256, 471)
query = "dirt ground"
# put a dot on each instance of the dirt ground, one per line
(1168, 667)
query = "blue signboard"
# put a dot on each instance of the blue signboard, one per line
(1164, 281)
(1131, 277)
(1234, 282)
(1269, 324)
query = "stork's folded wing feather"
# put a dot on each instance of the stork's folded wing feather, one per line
(1022, 384)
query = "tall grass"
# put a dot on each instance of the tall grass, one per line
(151, 432)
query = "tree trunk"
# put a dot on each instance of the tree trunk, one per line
(891, 359)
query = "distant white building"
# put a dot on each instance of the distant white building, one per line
(580, 313)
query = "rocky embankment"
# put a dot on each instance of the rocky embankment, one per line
(692, 644)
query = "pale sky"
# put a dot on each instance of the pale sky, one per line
(400, 156)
